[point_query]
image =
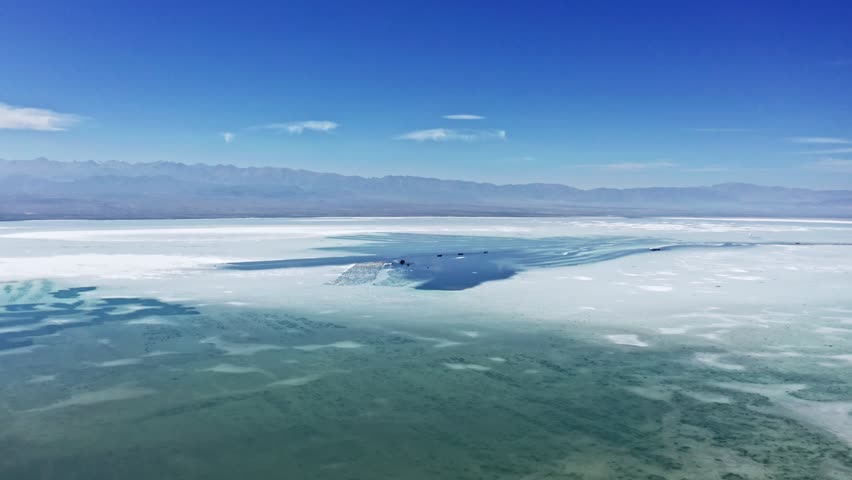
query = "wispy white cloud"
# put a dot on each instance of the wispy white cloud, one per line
(627, 166)
(634, 166)
(297, 128)
(832, 165)
(821, 140)
(828, 151)
(228, 136)
(720, 130)
(449, 134)
(463, 116)
(41, 119)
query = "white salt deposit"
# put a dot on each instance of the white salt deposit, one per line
(656, 288)
(125, 391)
(345, 344)
(469, 333)
(232, 348)
(41, 378)
(20, 350)
(120, 362)
(627, 339)
(714, 360)
(295, 381)
(467, 366)
(150, 321)
(231, 368)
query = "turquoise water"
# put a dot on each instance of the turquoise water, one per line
(214, 392)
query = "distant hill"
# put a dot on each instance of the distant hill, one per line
(43, 189)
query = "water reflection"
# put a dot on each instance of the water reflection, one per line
(450, 262)
(21, 323)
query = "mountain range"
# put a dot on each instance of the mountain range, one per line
(48, 189)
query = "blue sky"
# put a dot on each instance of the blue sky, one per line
(583, 93)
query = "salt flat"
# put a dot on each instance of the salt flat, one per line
(671, 344)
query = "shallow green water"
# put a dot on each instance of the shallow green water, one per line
(153, 389)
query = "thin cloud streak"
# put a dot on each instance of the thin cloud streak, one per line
(828, 151)
(297, 128)
(821, 140)
(464, 116)
(229, 137)
(38, 119)
(627, 166)
(634, 166)
(448, 134)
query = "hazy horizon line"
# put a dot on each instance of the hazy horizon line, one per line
(444, 179)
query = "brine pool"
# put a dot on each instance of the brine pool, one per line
(422, 348)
